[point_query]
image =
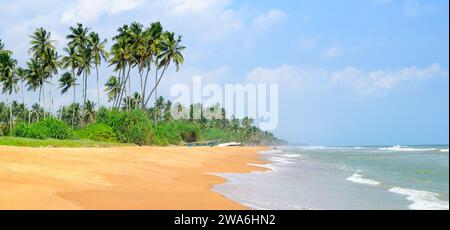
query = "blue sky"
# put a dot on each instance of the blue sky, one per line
(350, 72)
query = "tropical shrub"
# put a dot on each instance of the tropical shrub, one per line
(174, 132)
(224, 135)
(97, 132)
(130, 126)
(53, 128)
(28, 131)
(46, 128)
(4, 129)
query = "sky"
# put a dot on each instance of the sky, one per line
(349, 72)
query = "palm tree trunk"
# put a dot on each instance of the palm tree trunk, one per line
(21, 89)
(40, 90)
(74, 96)
(156, 86)
(157, 83)
(98, 89)
(124, 87)
(43, 97)
(85, 89)
(145, 88)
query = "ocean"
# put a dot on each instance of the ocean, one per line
(345, 178)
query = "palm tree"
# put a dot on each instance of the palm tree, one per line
(8, 78)
(34, 77)
(66, 82)
(153, 38)
(43, 50)
(170, 52)
(51, 66)
(122, 53)
(72, 60)
(89, 112)
(112, 88)
(99, 53)
(22, 75)
(40, 44)
(37, 111)
(79, 41)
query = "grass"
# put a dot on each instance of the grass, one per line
(27, 142)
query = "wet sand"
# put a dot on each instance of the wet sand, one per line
(120, 177)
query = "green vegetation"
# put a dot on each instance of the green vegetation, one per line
(27, 142)
(137, 55)
(130, 126)
(46, 128)
(97, 132)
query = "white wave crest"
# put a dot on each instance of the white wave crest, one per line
(399, 148)
(444, 150)
(358, 178)
(422, 200)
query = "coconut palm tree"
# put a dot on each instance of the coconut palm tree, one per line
(99, 53)
(34, 77)
(170, 52)
(79, 41)
(40, 44)
(22, 75)
(72, 61)
(51, 66)
(122, 55)
(153, 39)
(66, 82)
(89, 112)
(8, 78)
(43, 50)
(112, 88)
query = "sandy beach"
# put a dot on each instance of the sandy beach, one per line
(119, 177)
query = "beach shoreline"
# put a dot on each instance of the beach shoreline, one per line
(123, 178)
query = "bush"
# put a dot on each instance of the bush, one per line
(54, 128)
(97, 132)
(46, 128)
(28, 131)
(129, 126)
(4, 129)
(174, 132)
(224, 135)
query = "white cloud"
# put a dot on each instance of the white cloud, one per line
(297, 78)
(90, 10)
(268, 20)
(413, 8)
(332, 52)
(195, 6)
(287, 76)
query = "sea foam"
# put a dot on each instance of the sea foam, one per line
(422, 200)
(398, 148)
(358, 178)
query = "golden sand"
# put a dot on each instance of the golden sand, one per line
(119, 177)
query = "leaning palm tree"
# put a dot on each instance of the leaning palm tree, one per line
(99, 53)
(171, 52)
(66, 82)
(72, 61)
(153, 39)
(122, 52)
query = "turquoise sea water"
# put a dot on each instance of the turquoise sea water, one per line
(320, 177)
